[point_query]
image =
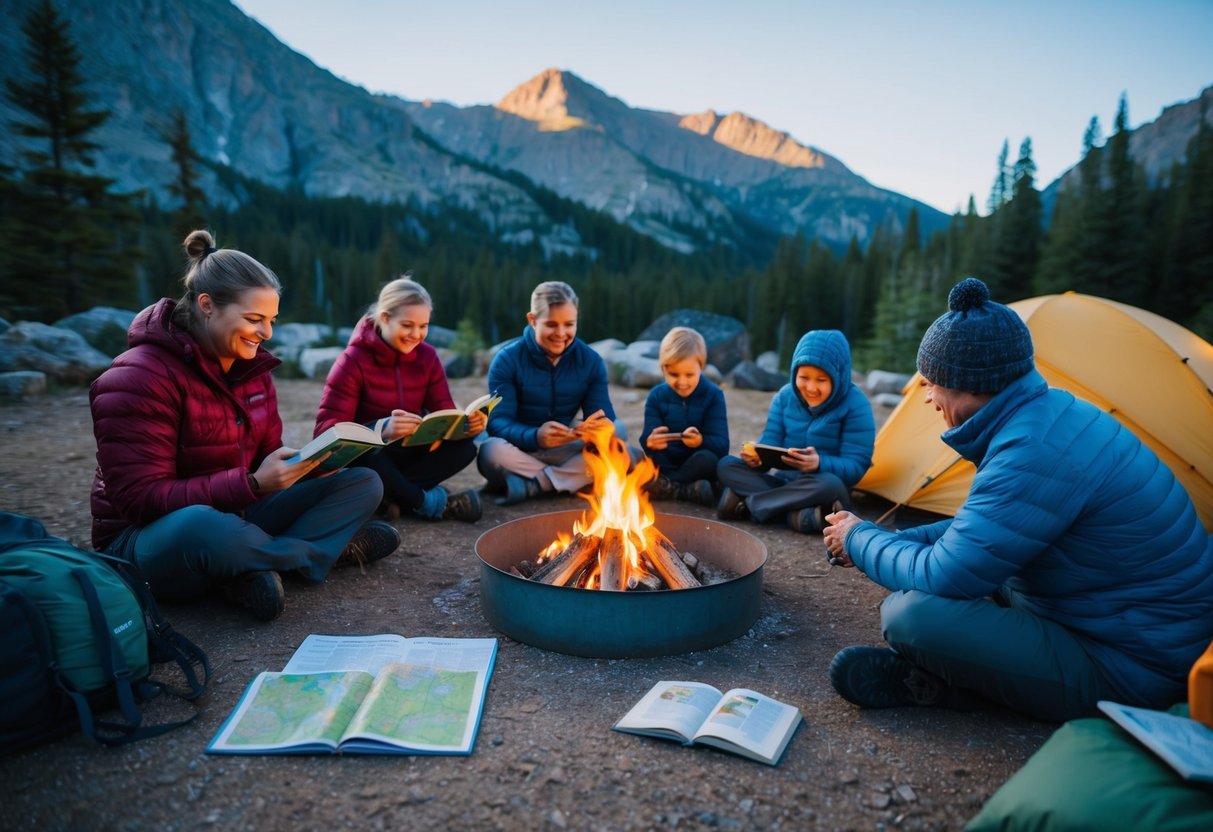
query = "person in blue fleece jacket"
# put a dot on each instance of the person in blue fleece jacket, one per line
(1076, 570)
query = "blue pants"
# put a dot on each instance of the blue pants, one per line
(700, 465)
(770, 497)
(302, 529)
(1010, 656)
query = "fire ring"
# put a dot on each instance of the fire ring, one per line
(603, 624)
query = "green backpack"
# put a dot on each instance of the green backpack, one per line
(81, 633)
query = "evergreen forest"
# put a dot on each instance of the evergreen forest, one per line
(69, 241)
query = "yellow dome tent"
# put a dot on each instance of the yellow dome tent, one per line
(1152, 374)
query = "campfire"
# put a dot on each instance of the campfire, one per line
(615, 544)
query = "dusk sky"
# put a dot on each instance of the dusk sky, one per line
(917, 97)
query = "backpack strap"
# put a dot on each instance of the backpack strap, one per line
(115, 667)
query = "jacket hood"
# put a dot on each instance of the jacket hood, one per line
(829, 350)
(366, 337)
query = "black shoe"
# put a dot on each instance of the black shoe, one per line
(518, 489)
(261, 593)
(463, 506)
(732, 506)
(374, 541)
(877, 677)
(699, 492)
(807, 520)
(661, 489)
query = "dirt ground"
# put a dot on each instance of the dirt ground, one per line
(545, 756)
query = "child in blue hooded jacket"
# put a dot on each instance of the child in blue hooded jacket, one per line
(828, 427)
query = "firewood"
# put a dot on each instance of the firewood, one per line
(691, 560)
(663, 557)
(526, 568)
(711, 575)
(645, 583)
(582, 549)
(611, 559)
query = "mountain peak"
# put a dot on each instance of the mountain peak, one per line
(555, 99)
(748, 135)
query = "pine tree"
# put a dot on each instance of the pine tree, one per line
(191, 212)
(1122, 219)
(1018, 233)
(70, 244)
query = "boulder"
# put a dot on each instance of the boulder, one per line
(768, 361)
(290, 340)
(439, 337)
(103, 327)
(315, 362)
(882, 381)
(749, 376)
(61, 354)
(886, 399)
(727, 340)
(21, 384)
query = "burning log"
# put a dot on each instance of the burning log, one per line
(566, 566)
(612, 560)
(644, 583)
(664, 559)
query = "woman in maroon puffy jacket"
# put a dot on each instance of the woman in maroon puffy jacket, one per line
(193, 483)
(389, 376)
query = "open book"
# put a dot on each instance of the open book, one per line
(343, 442)
(739, 721)
(771, 455)
(451, 423)
(381, 694)
(1184, 744)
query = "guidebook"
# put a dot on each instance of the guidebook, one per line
(1184, 744)
(451, 423)
(771, 455)
(739, 721)
(380, 694)
(343, 442)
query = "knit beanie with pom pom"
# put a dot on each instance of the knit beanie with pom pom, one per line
(977, 346)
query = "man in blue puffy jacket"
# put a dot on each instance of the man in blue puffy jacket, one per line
(1076, 570)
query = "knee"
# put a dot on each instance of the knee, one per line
(486, 459)
(910, 618)
(360, 480)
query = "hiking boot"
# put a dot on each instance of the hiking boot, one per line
(260, 593)
(463, 506)
(518, 489)
(807, 520)
(374, 541)
(661, 489)
(877, 677)
(732, 506)
(389, 511)
(699, 492)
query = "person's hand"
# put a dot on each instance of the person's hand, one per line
(276, 474)
(554, 434)
(477, 422)
(835, 535)
(400, 425)
(804, 460)
(749, 455)
(691, 437)
(660, 438)
(596, 421)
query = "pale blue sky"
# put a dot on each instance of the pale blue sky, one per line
(917, 97)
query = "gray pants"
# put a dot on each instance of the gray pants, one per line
(769, 497)
(1019, 660)
(301, 529)
(562, 468)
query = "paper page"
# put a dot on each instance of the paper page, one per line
(320, 653)
(676, 706)
(1185, 744)
(751, 720)
(422, 708)
(450, 653)
(281, 711)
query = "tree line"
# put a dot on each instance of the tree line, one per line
(70, 241)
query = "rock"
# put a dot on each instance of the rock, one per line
(607, 347)
(61, 354)
(315, 362)
(290, 340)
(456, 365)
(749, 376)
(439, 337)
(769, 361)
(886, 399)
(727, 340)
(103, 327)
(21, 384)
(882, 381)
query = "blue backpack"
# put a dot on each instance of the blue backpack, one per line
(81, 634)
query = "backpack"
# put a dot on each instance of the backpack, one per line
(81, 632)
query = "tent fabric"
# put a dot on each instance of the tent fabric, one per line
(1150, 373)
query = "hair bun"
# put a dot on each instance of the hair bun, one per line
(968, 294)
